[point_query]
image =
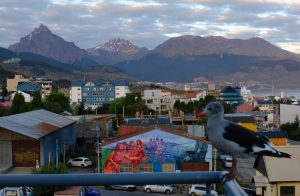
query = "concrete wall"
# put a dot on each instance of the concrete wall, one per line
(6, 155)
(288, 113)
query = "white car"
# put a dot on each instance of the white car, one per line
(80, 162)
(199, 189)
(121, 187)
(16, 191)
(161, 188)
(227, 162)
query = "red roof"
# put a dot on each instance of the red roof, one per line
(258, 98)
(244, 108)
(191, 94)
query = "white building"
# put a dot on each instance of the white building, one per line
(121, 88)
(76, 92)
(246, 94)
(28, 97)
(288, 113)
(158, 100)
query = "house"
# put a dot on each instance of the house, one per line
(278, 138)
(37, 135)
(278, 176)
(245, 120)
(156, 149)
(27, 97)
(265, 106)
(244, 108)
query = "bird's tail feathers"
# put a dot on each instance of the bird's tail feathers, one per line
(274, 154)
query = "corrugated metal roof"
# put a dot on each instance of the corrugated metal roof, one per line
(35, 124)
(284, 169)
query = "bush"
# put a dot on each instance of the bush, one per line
(49, 169)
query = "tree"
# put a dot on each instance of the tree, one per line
(37, 102)
(292, 129)
(57, 102)
(18, 104)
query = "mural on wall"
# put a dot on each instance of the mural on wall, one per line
(154, 147)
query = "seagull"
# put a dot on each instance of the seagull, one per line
(233, 139)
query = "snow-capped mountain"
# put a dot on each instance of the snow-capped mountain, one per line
(116, 50)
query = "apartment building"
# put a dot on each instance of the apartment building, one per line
(98, 92)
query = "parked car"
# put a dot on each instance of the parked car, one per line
(80, 162)
(161, 188)
(249, 191)
(199, 189)
(16, 191)
(222, 156)
(88, 191)
(227, 162)
(121, 187)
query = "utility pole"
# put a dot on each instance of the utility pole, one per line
(56, 153)
(98, 148)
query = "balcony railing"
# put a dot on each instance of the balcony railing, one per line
(232, 188)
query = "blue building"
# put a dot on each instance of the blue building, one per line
(231, 95)
(37, 135)
(28, 87)
(98, 92)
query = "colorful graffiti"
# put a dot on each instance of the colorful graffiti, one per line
(155, 147)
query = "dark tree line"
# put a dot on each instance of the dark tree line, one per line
(292, 129)
(56, 102)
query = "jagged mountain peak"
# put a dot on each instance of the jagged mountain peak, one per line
(43, 42)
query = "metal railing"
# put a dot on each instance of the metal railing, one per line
(232, 188)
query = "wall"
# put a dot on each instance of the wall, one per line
(288, 113)
(66, 136)
(5, 154)
(155, 148)
(279, 184)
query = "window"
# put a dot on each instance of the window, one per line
(287, 191)
(146, 167)
(126, 168)
(168, 167)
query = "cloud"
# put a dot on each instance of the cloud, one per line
(150, 22)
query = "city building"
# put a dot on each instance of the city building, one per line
(121, 88)
(12, 83)
(158, 100)
(286, 113)
(231, 95)
(37, 135)
(156, 149)
(278, 176)
(46, 87)
(265, 106)
(98, 92)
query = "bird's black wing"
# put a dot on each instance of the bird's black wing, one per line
(244, 137)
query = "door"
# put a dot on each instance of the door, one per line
(25, 153)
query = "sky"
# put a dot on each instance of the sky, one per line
(148, 23)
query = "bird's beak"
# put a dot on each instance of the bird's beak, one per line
(202, 114)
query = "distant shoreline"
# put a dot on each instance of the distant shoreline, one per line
(277, 92)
